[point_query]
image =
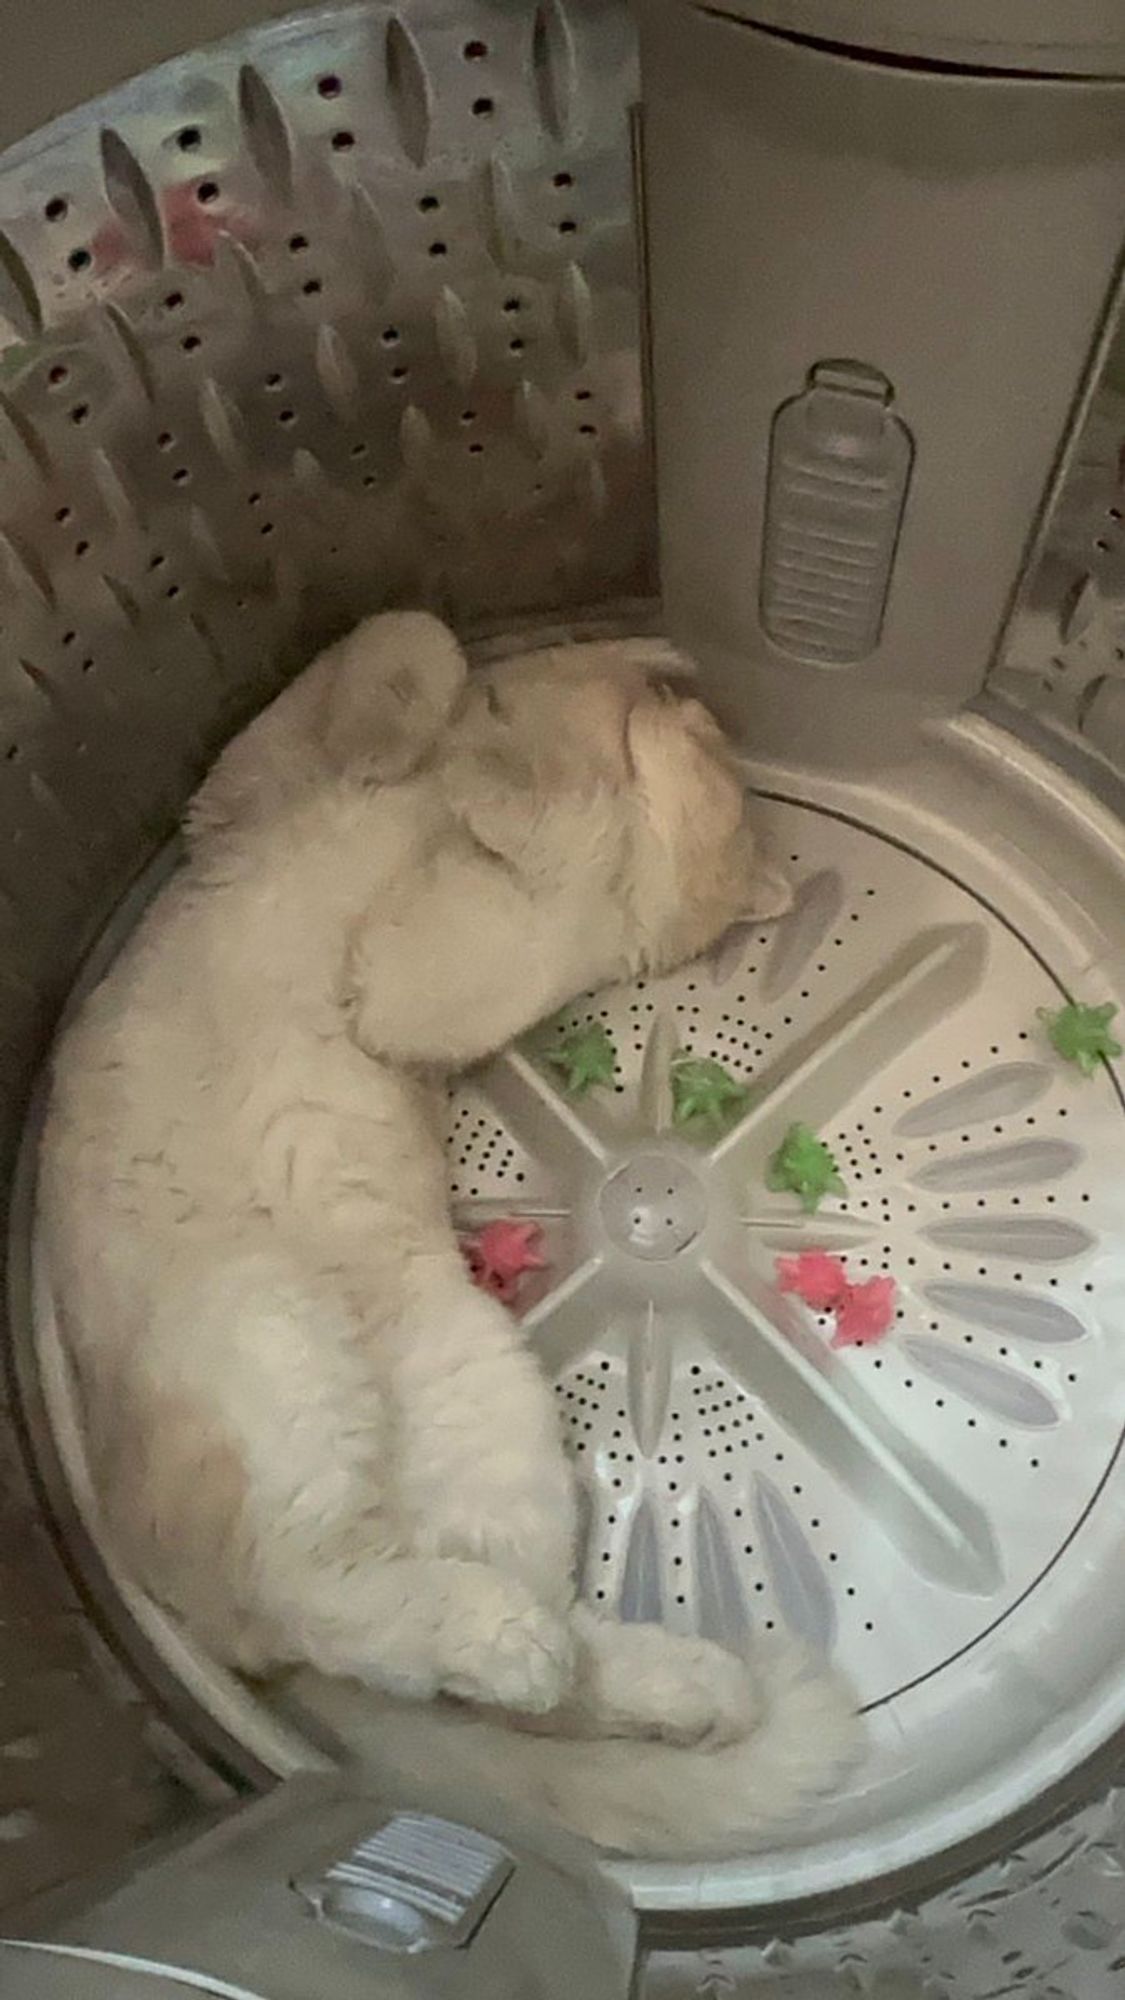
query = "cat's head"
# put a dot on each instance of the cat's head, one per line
(595, 769)
(589, 822)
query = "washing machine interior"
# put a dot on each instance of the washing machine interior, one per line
(361, 307)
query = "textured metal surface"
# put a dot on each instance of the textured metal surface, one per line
(1045, 1923)
(84, 1767)
(342, 313)
(1064, 659)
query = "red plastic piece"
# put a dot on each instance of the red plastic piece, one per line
(864, 1313)
(500, 1253)
(816, 1278)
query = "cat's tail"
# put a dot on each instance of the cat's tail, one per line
(648, 1799)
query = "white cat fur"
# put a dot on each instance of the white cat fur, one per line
(311, 1437)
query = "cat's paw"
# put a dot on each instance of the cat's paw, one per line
(703, 1697)
(508, 1652)
(639, 1680)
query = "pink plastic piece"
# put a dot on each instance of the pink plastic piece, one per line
(865, 1313)
(500, 1253)
(816, 1278)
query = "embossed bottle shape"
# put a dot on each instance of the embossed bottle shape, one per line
(840, 462)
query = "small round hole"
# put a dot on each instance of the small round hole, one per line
(298, 243)
(515, 346)
(483, 107)
(173, 590)
(188, 138)
(329, 86)
(311, 287)
(476, 450)
(81, 549)
(513, 305)
(157, 561)
(399, 374)
(274, 381)
(79, 413)
(181, 475)
(173, 301)
(475, 51)
(342, 142)
(468, 416)
(63, 515)
(78, 259)
(207, 191)
(287, 416)
(428, 204)
(57, 375)
(389, 336)
(439, 249)
(266, 528)
(56, 208)
(567, 227)
(564, 180)
(190, 342)
(165, 440)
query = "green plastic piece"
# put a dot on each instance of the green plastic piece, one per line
(1081, 1034)
(704, 1093)
(585, 1057)
(803, 1165)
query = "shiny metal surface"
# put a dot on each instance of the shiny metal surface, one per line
(1064, 660)
(1045, 1922)
(340, 313)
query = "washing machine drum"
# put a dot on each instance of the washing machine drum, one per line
(345, 312)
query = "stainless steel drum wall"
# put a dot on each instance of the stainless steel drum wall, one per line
(344, 314)
(339, 313)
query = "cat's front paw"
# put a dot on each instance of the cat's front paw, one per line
(703, 1697)
(640, 1680)
(510, 1653)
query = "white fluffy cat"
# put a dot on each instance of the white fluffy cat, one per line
(311, 1437)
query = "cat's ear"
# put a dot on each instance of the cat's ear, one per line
(390, 688)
